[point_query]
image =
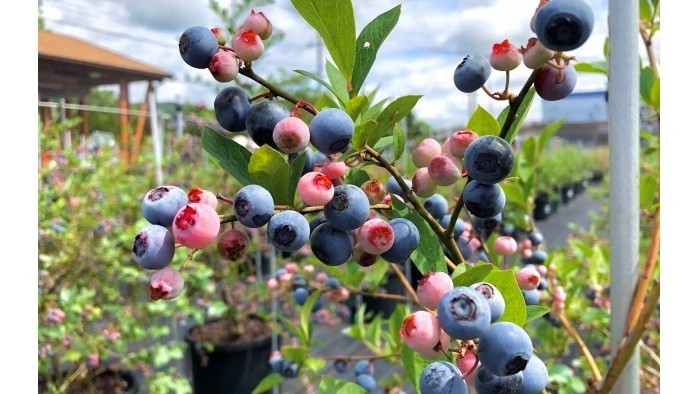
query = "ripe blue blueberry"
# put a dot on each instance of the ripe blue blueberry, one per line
(564, 25)
(299, 281)
(464, 313)
(494, 298)
(436, 205)
(459, 227)
(160, 205)
(198, 45)
(489, 159)
(276, 363)
(290, 369)
(406, 239)
(332, 283)
(301, 294)
(340, 365)
(504, 348)
(472, 73)
(318, 219)
(442, 377)
(364, 366)
(465, 247)
(253, 206)
(348, 209)
(154, 247)
(261, 121)
(535, 237)
(532, 297)
(367, 382)
(538, 257)
(535, 377)
(484, 225)
(483, 200)
(231, 107)
(392, 186)
(331, 130)
(330, 245)
(486, 382)
(288, 230)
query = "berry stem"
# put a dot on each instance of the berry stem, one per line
(448, 241)
(387, 296)
(515, 104)
(248, 72)
(355, 357)
(495, 96)
(224, 198)
(227, 219)
(405, 283)
(188, 258)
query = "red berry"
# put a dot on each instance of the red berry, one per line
(258, 22)
(232, 244)
(196, 225)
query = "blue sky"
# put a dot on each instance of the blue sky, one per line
(419, 57)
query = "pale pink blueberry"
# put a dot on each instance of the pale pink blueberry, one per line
(445, 169)
(272, 284)
(467, 363)
(528, 278)
(247, 45)
(505, 245)
(526, 253)
(363, 258)
(376, 236)
(334, 169)
(258, 22)
(321, 277)
(422, 184)
(535, 55)
(308, 269)
(425, 151)
(196, 225)
(524, 243)
(304, 251)
(315, 188)
(166, 284)
(420, 331)
(437, 351)
(286, 278)
(223, 66)
(291, 135)
(445, 147)
(93, 360)
(292, 268)
(375, 190)
(54, 315)
(202, 196)
(475, 243)
(505, 56)
(432, 286)
(460, 140)
(542, 269)
(559, 294)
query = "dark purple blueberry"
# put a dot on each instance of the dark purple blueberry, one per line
(231, 107)
(489, 159)
(564, 25)
(483, 200)
(485, 225)
(535, 237)
(538, 257)
(301, 294)
(262, 119)
(330, 245)
(340, 365)
(551, 85)
(154, 247)
(331, 130)
(198, 45)
(290, 369)
(504, 348)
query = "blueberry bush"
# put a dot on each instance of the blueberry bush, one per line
(494, 311)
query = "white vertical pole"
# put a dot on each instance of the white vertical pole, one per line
(67, 142)
(155, 135)
(623, 123)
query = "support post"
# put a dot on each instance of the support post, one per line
(141, 121)
(155, 136)
(67, 143)
(124, 122)
(623, 123)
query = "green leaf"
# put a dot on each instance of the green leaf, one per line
(648, 189)
(315, 363)
(268, 383)
(295, 172)
(356, 176)
(473, 275)
(322, 82)
(593, 67)
(428, 256)
(399, 141)
(269, 169)
(374, 110)
(368, 43)
(331, 385)
(395, 112)
(296, 354)
(548, 131)
(530, 150)
(334, 20)
(356, 105)
(305, 315)
(363, 133)
(384, 143)
(655, 95)
(520, 115)
(647, 77)
(535, 311)
(227, 154)
(514, 194)
(413, 365)
(338, 82)
(645, 10)
(483, 123)
(505, 282)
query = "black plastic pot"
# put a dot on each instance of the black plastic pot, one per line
(543, 207)
(566, 193)
(231, 368)
(136, 382)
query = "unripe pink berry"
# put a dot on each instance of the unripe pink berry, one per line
(559, 294)
(505, 56)
(363, 258)
(334, 169)
(202, 196)
(420, 331)
(166, 284)
(505, 245)
(258, 22)
(321, 277)
(535, 55)
(376, 236)
(375, 190)
(304, 251)
(475, 243)
(291, 135)
(308, 269)
(220, 35)
(460, 140)
(526, 253)
(445, 169)
(286, 278)
(524, 243)
(426, 150)
(196, 225)
(272, 284)
(528, 278)
(431, 287)
(315, 188)
(422, 184)
(223, 66)
(247, 45)
(292, 268)
(93, 360)
(542, 269)
(445, 147)
(437, 351)
(467, 363)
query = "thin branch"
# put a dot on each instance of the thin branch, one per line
(645, 276)
(404, 281)
(388, 296)
(650, 352)
(248, 72)
(581, 344)
(515, 104)
(649, 46)
(358, 356)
